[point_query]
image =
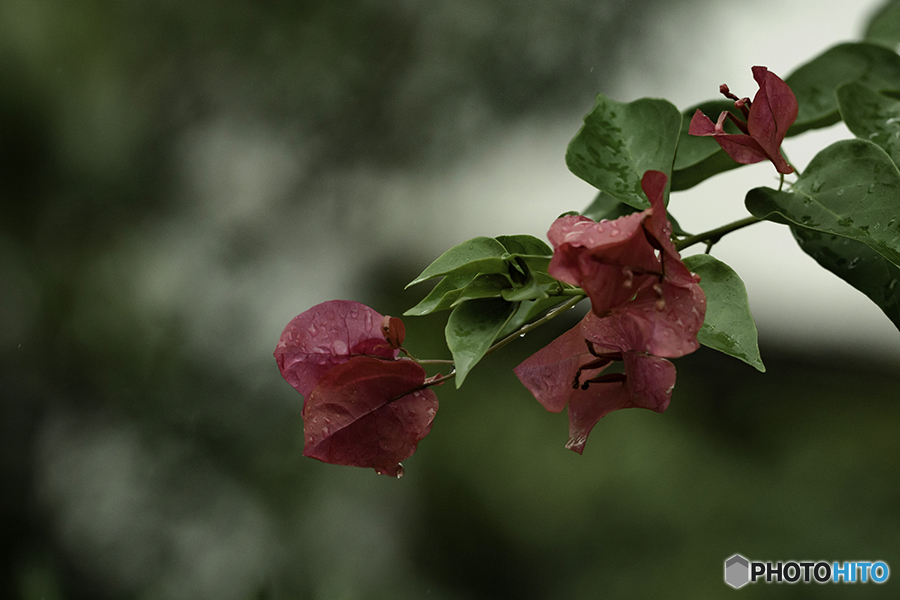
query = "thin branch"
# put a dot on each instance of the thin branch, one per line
(570, 303)
(714, 235)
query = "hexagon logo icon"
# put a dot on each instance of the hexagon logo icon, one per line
(737, 571)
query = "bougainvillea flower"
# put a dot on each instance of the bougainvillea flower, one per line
(633, 274)
(569, 372)
(363, 406)
(327, 335)
(646, 306)
(770, 114)
(369, 412)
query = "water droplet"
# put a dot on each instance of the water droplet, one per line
(521, 335)
(852, 264)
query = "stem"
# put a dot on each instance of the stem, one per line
(439, 379)
(570, 292)
(433, 361)
(714, 235)
(571, 302)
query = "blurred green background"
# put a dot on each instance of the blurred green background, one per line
(178, 180)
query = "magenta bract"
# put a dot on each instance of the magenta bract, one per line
(369, 412)
(770, 114)
(570, 372)
(363, 406)
(645, 306)
(633, 274)
(327, 335)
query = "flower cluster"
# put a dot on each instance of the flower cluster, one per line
(364, 405)
(646, 306)
(770, 114)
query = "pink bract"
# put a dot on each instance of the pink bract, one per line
(770, 114)
(561, 374)
(369, 412)
(325, 336)
(646, 306)
(613, 260)
(633, 274)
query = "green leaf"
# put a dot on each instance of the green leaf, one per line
(700, 157)
(619, 142)
(884, 26)
(871, 116)
(850, 189)
(605, 206)
(443, 295)
(472, 328)
(729, 326)
(486, 285)
(476, 249)
(858, 265)
(525, 245)
(814, 83)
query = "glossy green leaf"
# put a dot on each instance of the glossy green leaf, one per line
(815, 83)
(486, 285)
(443, 295)
(858, 265)
(850, 189)
(700, 157)
(871, 116)
(884, 26)
(525, 245)
(619, 142)
(472, 328)
(605, 206)
(729, 326)
(476, 249)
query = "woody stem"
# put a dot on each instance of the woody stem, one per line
(713, 235)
